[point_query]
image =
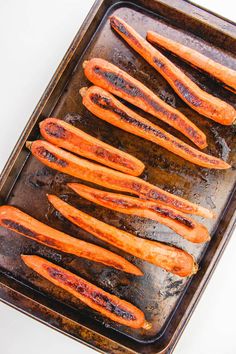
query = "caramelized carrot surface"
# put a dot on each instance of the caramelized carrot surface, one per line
(198, 99)
(99, 300)
(65, 162)
(175, 220)
(14, 219)
(221, 72)
(105, 106)
(108, 76)
(65, 135)
(170, 258)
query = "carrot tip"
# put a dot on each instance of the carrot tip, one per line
(84, 64)
(83, 91)
(28, 144)
(24, 257)
(147, 325)
(195, 268)
(203, 146)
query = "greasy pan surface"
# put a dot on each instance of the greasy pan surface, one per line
(157, 293)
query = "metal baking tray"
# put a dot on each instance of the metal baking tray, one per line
(167, 300)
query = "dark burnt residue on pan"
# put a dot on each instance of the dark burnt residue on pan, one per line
(44, 153)
(85, 290)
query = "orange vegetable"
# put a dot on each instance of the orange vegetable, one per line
(65, 135)
(65, 162)
(198, 99)
(105, 106)
(175, 220)
(17, 221)
(108, 76)
(99, 300)
(222, 73)
(170, 258)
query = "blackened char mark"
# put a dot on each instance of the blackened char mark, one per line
(55, 130)
(183, 89)
(159, 63)
(106, 103)
(155, 194)
(87, 291)
(49, 241)
(120, 27)
(188, 94)
(120, 202)
(118, 82)
(51, 157)
(15, 226)
(173, 215)
(107, 236)
(112, 157)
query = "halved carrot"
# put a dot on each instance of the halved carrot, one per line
(66, 162)
(221, 72)
(175, 220)
(170, 258)
(99, 300)
(198, 99)
(105, 106)
(108, 76)
(65, 135)
(17, 221)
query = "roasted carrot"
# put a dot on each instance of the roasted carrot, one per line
(105, 106)
(198, 99)
(175, 220)
(67, 136)
(66, 162)
(220, 72)
(99, 300)
(170, 258)
(108, 76)
(17, 221)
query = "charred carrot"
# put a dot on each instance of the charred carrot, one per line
(175, 220)
(220, 72)
(99, 300)
(170, 258)
(67, 136)
(17, 221)
(198, 99)
(108, 76)
(66, 162)
(105, 106)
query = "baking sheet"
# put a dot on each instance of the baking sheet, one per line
(162, 296)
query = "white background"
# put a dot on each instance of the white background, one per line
(34, 36)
